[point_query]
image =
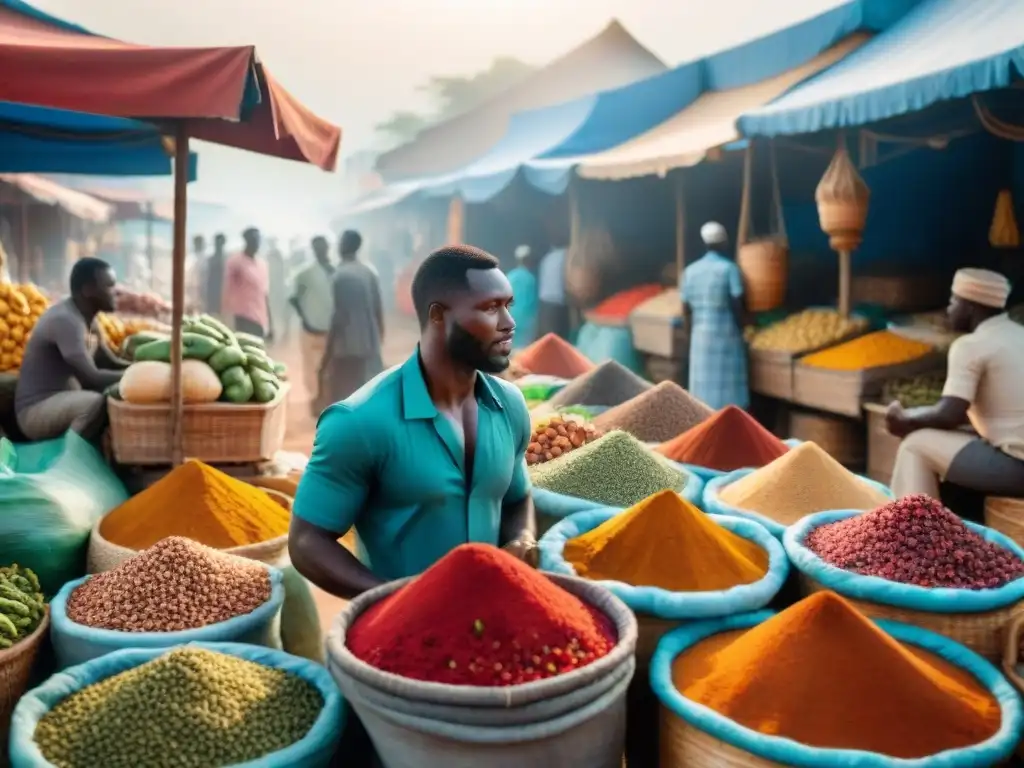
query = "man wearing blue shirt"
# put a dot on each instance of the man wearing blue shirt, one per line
(430, 454)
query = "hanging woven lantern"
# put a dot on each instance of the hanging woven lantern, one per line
(842, 198)
(1004, 232)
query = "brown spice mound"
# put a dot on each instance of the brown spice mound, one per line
(730, 439)
(174, 585)
(610, 384)
(801, 482)
(657, 415)
(823, 675)
(551, 355)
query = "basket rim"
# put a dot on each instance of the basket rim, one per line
(788, 752)
(28, 643)
(70, 681)
(471, 695)
(699, 605)
(97, 534)
(908, 596)
(161, 408)
(714, 487)
(692, 489)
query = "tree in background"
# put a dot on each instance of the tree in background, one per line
(453, 95)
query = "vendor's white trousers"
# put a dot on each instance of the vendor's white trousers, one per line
(924, 458)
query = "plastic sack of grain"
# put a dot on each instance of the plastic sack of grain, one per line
(713, 504)
(315, 750)
(909, 596)
(663, 603)
(75, 643)
(51, 496)
(763, 749)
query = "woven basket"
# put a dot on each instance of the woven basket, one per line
(103, 555)
(765, 267)
(217, 433)
(15, 670)
(1011, 659)
(1006, 516)
(983, 632)
(683, 746)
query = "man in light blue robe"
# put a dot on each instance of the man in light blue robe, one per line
(524, 292)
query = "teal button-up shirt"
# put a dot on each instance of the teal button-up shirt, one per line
(386, 461)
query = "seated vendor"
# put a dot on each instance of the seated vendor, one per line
(428, 455)
(59, 385)
(984, 388)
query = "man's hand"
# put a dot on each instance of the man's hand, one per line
(896, 421)
(524, 547)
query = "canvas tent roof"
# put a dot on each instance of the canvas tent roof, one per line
(612, 58)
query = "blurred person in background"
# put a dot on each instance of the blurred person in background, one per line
(553, 315)
(353, 353)
(711, 289)
(213, 276)
(524, 290)
(280, 311)
(246, 297)
(59, 385)
(313, 300)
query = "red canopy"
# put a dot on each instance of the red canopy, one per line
(64, 67)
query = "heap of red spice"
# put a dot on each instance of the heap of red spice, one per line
(915, 540)
(619, 306)
(551, 355)
(730, 439)
(480, 617)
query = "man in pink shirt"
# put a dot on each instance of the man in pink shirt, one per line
(247, 289)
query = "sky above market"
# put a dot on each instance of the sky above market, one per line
(357, 61)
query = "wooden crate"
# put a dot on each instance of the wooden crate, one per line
(882, 446)
(845, 392)
(659, 335)
(771, 373)
(841, 438)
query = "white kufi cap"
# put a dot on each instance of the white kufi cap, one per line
(982, 286)
(713, 233)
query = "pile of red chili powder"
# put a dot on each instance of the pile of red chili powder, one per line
(551, 355)
(480, 617)
(915, 540)
(730, 439)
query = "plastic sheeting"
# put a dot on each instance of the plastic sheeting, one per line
(943, 49)
(710, 121)
(42, 140)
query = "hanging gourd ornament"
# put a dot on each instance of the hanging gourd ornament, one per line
(1004, 232)
(842, 198)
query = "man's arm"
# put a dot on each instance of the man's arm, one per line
(71, 343)
(965, 370)
(518, 521)
(736, 305)
(330, 498)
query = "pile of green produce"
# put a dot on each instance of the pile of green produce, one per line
(189, 708)
(915, 391)
(240, 360)
(22, 605)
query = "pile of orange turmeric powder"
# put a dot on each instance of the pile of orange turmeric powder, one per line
(200, 503)
(666, 542)
(823, 675)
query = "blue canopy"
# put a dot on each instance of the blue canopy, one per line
(42, 140)
(942, 50)
(555, 136)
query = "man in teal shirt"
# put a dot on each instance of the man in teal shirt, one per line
(430, 454)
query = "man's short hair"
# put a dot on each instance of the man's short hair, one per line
(351, 242)
(220, 238)
(444, 271)
(85, 271)
(319, 241)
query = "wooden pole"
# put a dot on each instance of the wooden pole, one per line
(844, 283)
(743, 227)
(680, 227)
(178, 290)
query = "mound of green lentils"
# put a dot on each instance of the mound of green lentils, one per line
(914, 391)
(190, 708)
(616, 469)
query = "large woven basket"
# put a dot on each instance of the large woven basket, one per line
(765, 267)
(104, 555)
(217, 433)
(983, 632)
(15, 671)
(1006, 516)
(684, 746)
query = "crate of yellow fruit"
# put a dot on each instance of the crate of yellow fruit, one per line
(113, 329)
(842, 378)
(20, 309)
